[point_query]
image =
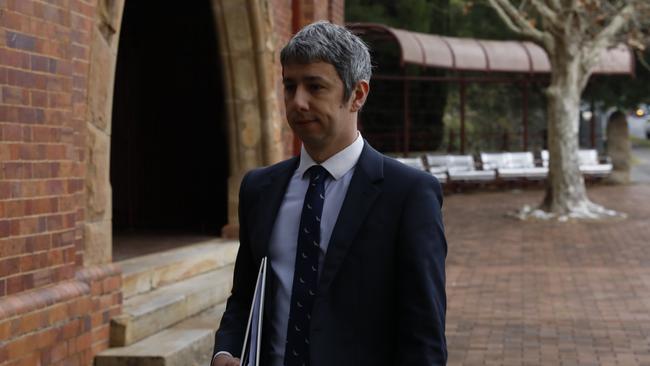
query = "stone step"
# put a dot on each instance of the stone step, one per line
(188, 343)
(148, 272)
(148, 313)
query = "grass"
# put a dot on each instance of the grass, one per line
(639, 142)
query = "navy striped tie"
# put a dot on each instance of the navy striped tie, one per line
(305, 277)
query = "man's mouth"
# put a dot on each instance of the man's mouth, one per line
(304, 121)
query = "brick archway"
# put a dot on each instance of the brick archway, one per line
(245, 32)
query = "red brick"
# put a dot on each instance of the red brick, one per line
(101, 333)
(51, 13)
(38, 243)
(20, 41)
(79, 307)
(21, 78)
(55, 187)
(14, 58)
(32, 359)
(86, 357)
(15, 284)
(11, 247)
(9, 266)
(15, 208)
(11, 132)
(5, 228)
(58, 352)
(49, 337)
(55, 257)
(8, 113)
(54, 222)
(3, 290)
(14, 95)
(71, 329)
(42, 278)
(32, 322)
(60, 100)
(26, 263)
(29, 225)
(21, 6)
(21, 346)
(5, 330)
(111, 284)
(58, 313)
(64, 272)
(84, 341)
(42, 170)
(43, 64)
(56, 152)
(41, 205)
(88, 10)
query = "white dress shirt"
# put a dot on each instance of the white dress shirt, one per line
(284, 237)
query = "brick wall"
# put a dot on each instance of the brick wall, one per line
(310, 10)
(64, 324)
(52, 311)
(42, 111)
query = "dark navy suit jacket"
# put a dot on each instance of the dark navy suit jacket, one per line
(381, 296)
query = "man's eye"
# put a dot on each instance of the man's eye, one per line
(289, 87)
(315, 87)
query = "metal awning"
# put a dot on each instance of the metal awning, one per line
(468, 54)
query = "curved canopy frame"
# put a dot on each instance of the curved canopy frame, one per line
(475, 55)
(469, 54)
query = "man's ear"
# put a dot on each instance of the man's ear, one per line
(359, 95)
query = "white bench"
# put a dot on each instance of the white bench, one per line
(514, 165)
(459, 168)
(588, 161)
(418, 164)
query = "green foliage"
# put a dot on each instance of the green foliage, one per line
(476, 19)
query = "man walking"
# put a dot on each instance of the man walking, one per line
(354, 239)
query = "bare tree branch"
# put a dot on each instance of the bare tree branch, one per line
(606, 36)
(550, 16)
(515, 21)
(555, 5)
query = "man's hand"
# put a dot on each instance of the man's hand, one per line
(225, 360)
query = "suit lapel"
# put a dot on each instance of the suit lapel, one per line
(362, 192)
(266, 208)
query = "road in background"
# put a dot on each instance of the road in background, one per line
(640, 172)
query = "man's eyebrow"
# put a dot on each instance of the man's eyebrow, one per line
(306, 78)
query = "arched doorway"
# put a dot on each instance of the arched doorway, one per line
(169, 154)
(243, 112)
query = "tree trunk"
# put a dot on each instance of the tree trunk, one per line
(565, 188)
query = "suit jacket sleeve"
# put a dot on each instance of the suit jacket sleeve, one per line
(421, 277)
(230, 335)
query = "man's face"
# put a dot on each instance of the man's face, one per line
(316, 112)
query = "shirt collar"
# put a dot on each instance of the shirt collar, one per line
(337, 165)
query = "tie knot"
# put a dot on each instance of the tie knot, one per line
(317, 172)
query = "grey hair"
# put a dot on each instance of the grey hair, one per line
(334, 44)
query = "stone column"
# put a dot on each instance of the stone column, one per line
(98, 239)
(618, 148)
(245, 32)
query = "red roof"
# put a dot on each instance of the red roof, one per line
(483, 55)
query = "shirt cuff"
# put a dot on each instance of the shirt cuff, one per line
(220, 353)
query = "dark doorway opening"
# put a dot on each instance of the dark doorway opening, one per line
(169, 154)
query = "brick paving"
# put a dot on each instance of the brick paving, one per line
(548, 293)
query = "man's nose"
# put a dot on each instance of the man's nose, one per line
(301, 98)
